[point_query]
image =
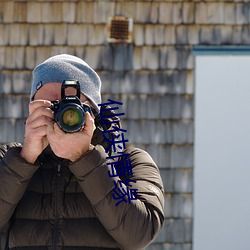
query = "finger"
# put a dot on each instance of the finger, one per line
(58, 131)
(89, 124)
(38, 103)
(54, 133)
(39, 121)
(41, 111)
(50, 130)
(37, 132)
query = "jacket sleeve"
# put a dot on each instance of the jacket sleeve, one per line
(132, 223)
(15, 174)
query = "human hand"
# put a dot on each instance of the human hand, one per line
(71, 146)
(35, 141)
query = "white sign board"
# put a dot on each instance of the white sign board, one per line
(222, 153)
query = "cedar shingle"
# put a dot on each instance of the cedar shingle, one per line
(168, 176)
(168, 204)
(183, 132)
(85, 12)
(96, 35)
(138, 34)
(133, 107)
(158, 83)
(49, 34)
(47, 14)
(7, 11)
(164, 162)
(19, 130)
(137, 61)
(149, 34)
(193, 34)
(154, 12)
(153, 107)
(42, 53)
(25, 106)
(36, 34)
(6, 84)
(21, 82)
(116, 82)
(150, 57)
(170, 13)
(206, 35)
(143, 107)
(181, 230)
(128, 83)
(142, 85)
(12, 106)
(189, 82)
(57, 50)
(159, 35)
(20, 11)
(182, 206)
(77, 34)
(4, 37)
(106, 58)
(182, 34)
(7, 131)
(165, 13)
(143, 12)
(60, 34)
(201, 13)
(242, 13)
(120, 57)
(7, 61)
(172, 61)
(183, 180)
(237, 34)
(106, 81)
(19, 57)
(188, 12)
(156, 131)
(181, 156)
(102, 10)
(170, 34)
(226, 33)
(125, 8)
(229, 13)
(34, 12)
(176, 107)
(215, 13)
(68, 12)
(245, 34)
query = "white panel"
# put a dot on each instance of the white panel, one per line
(222, 153)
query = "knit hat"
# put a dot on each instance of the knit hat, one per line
(67, 67)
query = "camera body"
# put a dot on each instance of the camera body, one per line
(70, 112)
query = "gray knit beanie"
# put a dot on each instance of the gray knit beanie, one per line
(67, 67)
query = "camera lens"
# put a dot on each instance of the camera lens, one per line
(70, 117)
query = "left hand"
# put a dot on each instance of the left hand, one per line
(71, 146)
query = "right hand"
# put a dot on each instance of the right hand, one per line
(35, 141)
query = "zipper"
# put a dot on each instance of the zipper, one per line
(58, 178)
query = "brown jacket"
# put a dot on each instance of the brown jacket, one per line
(57, 205)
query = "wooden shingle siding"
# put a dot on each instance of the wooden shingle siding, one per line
(153, 76)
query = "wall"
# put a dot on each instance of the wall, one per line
(153, 77)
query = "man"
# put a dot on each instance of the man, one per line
(60, 190)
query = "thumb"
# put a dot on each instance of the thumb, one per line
(89, 124)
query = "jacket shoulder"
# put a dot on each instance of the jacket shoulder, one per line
(139, 155)
(5, 147)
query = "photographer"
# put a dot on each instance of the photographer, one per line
(57, 190)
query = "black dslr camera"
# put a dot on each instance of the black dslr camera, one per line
(70, 111)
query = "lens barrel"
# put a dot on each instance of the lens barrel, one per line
(70, 117)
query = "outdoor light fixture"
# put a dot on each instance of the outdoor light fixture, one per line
(119, 29)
